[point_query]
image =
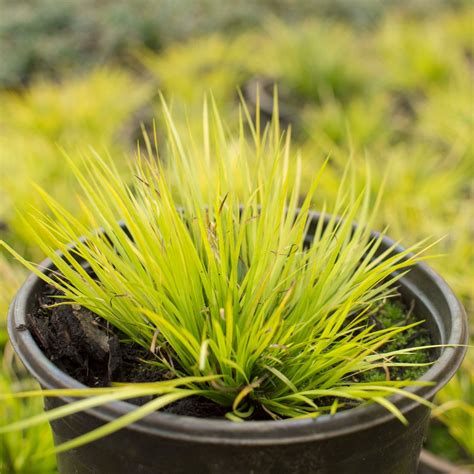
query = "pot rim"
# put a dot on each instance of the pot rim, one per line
(206, 430)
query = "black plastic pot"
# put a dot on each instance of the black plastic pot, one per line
(361, 440)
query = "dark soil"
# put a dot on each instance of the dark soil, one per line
(84, 346)
(87, 348)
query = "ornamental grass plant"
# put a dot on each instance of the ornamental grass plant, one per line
(205, 258)
(86, 110)
(18, 453)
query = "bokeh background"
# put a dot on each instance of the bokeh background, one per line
(388, 81)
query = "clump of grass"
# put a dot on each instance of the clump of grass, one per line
(315, 61)
(456, 409)
(94, 109)
(188, 70)
(361, 124)
(20, 451)
(416, 55)
(220, 280)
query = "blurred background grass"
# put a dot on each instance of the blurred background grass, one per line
(380, 80)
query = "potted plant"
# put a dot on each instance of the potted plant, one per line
(214, 323)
